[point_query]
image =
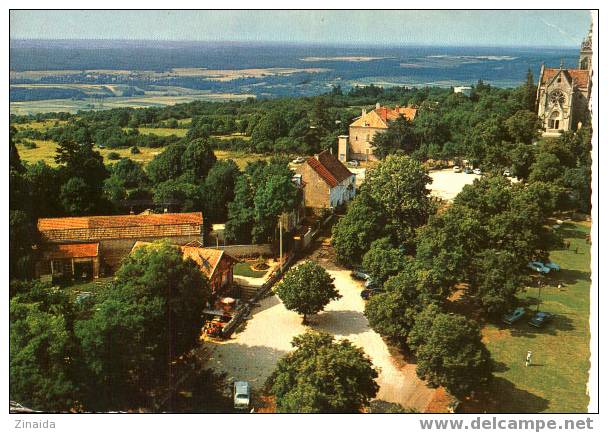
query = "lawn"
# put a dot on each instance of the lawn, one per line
(46, 151)
(556, 380)
(162, 132)
(244, 269)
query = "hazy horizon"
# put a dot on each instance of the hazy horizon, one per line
(508, 28)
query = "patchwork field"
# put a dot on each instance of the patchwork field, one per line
(557, 379)
(75, 105)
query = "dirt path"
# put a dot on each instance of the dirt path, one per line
(252, 353)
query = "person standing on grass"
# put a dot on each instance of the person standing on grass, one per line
(529, 358)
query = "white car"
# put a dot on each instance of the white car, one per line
(457, 169)
(477, 171)
(298, 160)
(242, 395)
(507, 173)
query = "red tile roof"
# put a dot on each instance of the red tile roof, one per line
(70, 251)
(580, 77)
(379, 117)
(392, 113)
(331, 170)
(120, 226)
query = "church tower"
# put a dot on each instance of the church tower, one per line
(584, 61)
(562, 97)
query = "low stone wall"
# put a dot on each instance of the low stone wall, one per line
(254, 250)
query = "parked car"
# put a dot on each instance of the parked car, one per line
(368, 293)
(242, 395)
(467, 170)
(359, 274)
(552, 266)
(457, 169)
(353, 163)
(540, 318)
(514, 316)
(507, 172)
(299, 160)
(477, 171)
(370, 284)
(539, 267)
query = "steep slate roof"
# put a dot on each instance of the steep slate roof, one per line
(207, 259)
(71, 251)
(331, 170)
(380, 117)
(120, 226)
(580, 77)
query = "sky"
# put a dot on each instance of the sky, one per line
(480, 28)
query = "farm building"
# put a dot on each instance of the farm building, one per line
(84, 247)
(215, 264)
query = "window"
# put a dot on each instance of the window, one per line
(554, 120)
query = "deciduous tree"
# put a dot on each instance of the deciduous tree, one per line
(323, 376)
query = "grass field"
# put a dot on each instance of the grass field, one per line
(556, 380)
(143, 101)
(244, 269)
(46, 151)
(163, 132)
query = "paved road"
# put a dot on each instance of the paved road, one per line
(252, 353)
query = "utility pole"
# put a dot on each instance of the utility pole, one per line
(281, 243)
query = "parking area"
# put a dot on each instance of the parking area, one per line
(447, 184)
(252, 353)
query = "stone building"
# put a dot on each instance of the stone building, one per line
(326, 182)
(358, 144)
(83, 247)
(562, 96)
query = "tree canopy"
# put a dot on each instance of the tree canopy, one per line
(307, 289)
(323, 376)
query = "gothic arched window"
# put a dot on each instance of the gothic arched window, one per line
(557, 97)
(554, 120)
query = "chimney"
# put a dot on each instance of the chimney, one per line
(377, 105)
(317, 156)
(363, 112)
(331, 150)
(166, 210)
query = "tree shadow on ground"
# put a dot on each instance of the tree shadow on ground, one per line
(560, 322)
(570, 231)
(241, 362)
(340, 322)
(502, 396)
(572, 276)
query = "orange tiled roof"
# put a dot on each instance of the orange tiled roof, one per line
(120, 226)
(580, 77)
(70, 251)
(329, 168)
(388, 114)
(206, 258)
(380, 117)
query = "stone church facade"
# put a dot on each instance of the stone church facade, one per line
(563, 94)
